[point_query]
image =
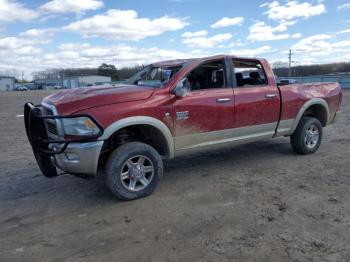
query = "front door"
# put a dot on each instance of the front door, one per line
(201, 117)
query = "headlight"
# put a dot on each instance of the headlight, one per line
(79, 126)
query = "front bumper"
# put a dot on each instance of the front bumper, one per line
(76, 156)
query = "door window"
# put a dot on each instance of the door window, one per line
(249, 73)
(207, 76)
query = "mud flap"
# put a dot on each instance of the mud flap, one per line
(35, 129)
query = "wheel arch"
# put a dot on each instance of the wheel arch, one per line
(316, 107)
(142, 121)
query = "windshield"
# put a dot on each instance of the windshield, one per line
(154, 76)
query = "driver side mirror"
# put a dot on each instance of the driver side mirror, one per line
(181, 88)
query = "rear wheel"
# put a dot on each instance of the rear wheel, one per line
(133, 171)
(307, 138)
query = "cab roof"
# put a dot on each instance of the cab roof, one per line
(179, 62)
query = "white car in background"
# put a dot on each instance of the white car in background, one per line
(21, 88)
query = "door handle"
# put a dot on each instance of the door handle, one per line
(223, 100)
(270, 96)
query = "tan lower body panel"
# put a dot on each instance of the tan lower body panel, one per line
(235, 135)
(285, 127)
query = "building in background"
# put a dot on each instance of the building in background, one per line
(93, 80)
(47, 83)
(72, 82)
(7, 83)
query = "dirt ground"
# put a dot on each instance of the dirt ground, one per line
(254, 202)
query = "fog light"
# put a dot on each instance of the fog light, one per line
(72, 157)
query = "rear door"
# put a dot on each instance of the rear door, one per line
(257, 105)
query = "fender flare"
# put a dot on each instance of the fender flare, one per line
(306, 106)
(141, 120)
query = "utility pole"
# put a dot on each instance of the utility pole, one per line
(290, 62)
(62, 78)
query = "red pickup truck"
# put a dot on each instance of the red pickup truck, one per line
(126, 131)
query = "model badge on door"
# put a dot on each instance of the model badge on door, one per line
(182, 115)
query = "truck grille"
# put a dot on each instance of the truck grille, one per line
(48, 111)
(51, 127)
(50, 124)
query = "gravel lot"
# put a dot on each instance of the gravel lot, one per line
(255, 202)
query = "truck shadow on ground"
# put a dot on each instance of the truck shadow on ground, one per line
(234, 155)
(30, 183)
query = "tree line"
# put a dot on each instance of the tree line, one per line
(102, 70)
(281, 70)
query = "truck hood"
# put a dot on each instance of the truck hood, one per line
(74, 100)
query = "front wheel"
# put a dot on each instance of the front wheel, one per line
(307, 138)
(133, 171)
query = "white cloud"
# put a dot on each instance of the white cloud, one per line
(195, 34)
(26, 43)
(297, 35)
(346, 31)
(24, 53)
(254, 52)
(312, 43)
(322, 47)
(263, 32)
(264, 5)
(28, 38)
(69, 6)
(292, 10)
(227, 21)
(124, 25)
(343, 6)
(236, 43)
(200, 40)
(286, 15)
(12, 11)
(283, 26)
(39, 33)
(18, 46)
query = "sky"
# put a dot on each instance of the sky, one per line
(42, 34)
